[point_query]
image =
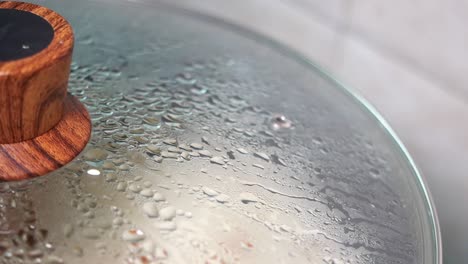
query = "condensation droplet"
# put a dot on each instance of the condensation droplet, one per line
(209, 191)
(217, 160)
(167, 213)
(262, 156)
(280, 122)
(205, 153)
(242, 151)
(146, 193)
(158, 197)
(133, 235)
(150, 209)
(247, 197)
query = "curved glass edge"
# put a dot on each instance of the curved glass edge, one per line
(430, 206)
(366, 105)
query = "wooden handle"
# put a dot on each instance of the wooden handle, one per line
(33, 84)
(41, 127)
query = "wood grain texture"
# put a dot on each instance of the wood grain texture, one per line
(51, 150)
(41, 128)
(32, 89)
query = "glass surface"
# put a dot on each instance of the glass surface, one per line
(213, 145)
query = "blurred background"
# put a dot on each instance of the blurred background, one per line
(408, 58)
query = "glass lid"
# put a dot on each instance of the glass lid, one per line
(211, 144)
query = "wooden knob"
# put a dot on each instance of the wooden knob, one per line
(36, 46)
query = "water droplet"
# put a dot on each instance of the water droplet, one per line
(198, 89)
(329, 260)
(194, 154)
(137, 130)
(231, 154)
(121, 187)
(151, 121)
(185, 155)
(111, 177)
(249, 133)
(280, 122)
(161, 253)
(242, 151)
(124, 167)
(205, 153)
(196, 146)
(246, 245)
(185, 147)
(118, 221)
(150, 209)
(103, 223)
(169, 155)
(374, 173)
(205, 140)
(188, 214)
(35, 253)
(247, 197)
(78, 251)
(171, 118)
(174, 149)
(278, 160)
(262, 156)
(158, 197)
(186, 79)
(95, 154)
(258, 166)
(170, 141)
(209, 191)
(146, 192)
(167, 213)
(133, 235)
(217, 160)
(82, 208)
(222, 198)
(120, 137)
(153, 149)
(134, 187)
(89, 215)
(285, 228)
(107, 165)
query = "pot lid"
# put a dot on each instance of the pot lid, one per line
(211, 144)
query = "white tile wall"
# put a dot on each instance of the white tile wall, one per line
(409, 58)
(429, 34)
